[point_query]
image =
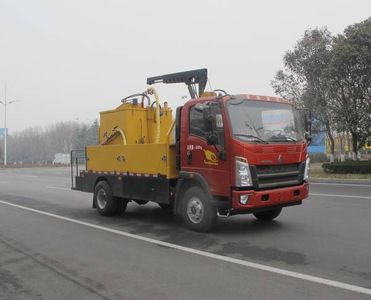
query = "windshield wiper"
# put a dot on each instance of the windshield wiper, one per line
(252, 136)
(283, 138)
(291, 138)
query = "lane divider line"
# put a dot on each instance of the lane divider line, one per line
(261, 267)
(58, 188)
(341, 196)
(341, 184)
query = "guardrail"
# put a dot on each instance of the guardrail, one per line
(78, 163)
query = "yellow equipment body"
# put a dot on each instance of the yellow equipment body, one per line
(132, 141)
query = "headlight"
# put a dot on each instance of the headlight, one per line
(307, 168)
(243, 176)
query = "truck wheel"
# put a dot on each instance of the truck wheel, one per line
(121, 205)
(197, 212)
(268, 215)
(106, 204)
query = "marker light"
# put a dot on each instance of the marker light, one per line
(307, 168)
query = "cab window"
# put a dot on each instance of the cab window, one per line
(197, 122)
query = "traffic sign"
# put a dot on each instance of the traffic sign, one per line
(2, 133)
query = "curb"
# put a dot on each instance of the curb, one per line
(339, 180)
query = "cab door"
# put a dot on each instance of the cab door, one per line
(197, 154)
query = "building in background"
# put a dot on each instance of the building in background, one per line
(343, 146)
(62, 159)
(318, 144)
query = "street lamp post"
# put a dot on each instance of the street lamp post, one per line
(5, 103)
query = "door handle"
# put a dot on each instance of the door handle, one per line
(189, 157)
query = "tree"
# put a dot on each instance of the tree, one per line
(349, 75)
(304, 78)
(92, 134)
(86, 135)
(38, 145)
(27, 146)
(60, 137)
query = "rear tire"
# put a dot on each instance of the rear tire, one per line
(106, 204)
(197, 211)
(268, 215)
(121, 206)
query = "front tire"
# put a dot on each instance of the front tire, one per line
(268, 215)
(197, 211)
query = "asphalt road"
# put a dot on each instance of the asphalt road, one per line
(72, 252)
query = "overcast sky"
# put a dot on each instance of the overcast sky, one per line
(67, 60)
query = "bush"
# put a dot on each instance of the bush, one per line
(348, 167)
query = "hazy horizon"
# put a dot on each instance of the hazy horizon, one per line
(63, 61)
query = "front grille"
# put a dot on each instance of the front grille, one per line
(274, 176)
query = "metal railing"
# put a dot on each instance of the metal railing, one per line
(78, 163)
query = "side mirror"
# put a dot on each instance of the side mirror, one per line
(308, 124)
(305, 114)
(212, 139)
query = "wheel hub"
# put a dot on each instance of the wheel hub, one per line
(195, 210)
(101, 199)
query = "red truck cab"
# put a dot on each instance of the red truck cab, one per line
(249, 151)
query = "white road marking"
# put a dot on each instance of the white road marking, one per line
(340, 196)
(340, 184)
(296, 275)
(58, 188)
(30, 176)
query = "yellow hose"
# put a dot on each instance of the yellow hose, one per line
(122, 135)
(152, 91)
(115, 131)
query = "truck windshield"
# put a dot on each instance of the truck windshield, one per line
(264, 122)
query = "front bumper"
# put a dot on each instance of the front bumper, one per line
(268, 198)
